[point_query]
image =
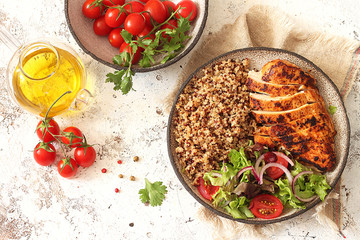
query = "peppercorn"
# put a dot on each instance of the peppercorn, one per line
(117, 190)
(136, 158)
(121, 176)
(132, 178)
(103, 170)
(119, 162)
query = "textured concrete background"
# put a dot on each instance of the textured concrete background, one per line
(36, 203)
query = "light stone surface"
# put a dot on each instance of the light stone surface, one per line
(36, 203)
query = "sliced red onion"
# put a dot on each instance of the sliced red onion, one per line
(282, 155)
(246, 169)
(257, 163)
(278, 165)
(293, 187)
(215, 174)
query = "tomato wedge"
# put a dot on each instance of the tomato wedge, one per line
(266, 206)
(275, 172)
(206, 190)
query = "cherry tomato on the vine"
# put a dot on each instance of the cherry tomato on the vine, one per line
(72, 136)
(52, 130)
(100, 27)
(115, 37)
(146, 32)
(110, 3)
(156, 10)
(125, 47)
(171, 24)
(134, 7)
(170, 7)
(114, 17)
(188, 7)
(44, 153)
(85, 155)
(134, 23)
(67, 167)
(91, 9)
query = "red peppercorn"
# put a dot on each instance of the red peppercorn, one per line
(103, 170)
(117, 190)
(119, 162)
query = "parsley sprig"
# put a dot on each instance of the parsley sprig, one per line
(167, 47)
(153, 193)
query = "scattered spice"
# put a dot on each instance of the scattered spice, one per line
(121, 176)
(132, 178)
(136, 158)
(119, 162)
(131, 224)
(117, 190)
(103, 170)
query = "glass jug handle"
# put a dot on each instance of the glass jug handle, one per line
(9, 40)
(82, 100)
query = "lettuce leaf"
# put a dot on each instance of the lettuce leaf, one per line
(286, 195)
(239, 160)
(239, 208)
(227, 172)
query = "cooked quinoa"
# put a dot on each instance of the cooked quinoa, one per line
(213, 117)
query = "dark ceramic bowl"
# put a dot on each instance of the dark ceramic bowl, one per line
(99, 47)
(258, 57)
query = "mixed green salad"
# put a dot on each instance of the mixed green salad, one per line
(256, 182)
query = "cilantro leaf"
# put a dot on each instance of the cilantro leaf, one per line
(154, 193)
(122, 80)
(126, 36)
(332, 110)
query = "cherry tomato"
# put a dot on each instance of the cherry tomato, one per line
(100, 27)
(189, 7)
(52, 126)
(266, 206)
(44, 154)
(206, 190)
(115, 37)
(145, 32)
(157, 11)
(72, 136)
(274, 172)
(67, 167)
(134, 7)
(170, 25)
(170, 7)
(85, 155)
(110, 3)
(115, 17)
(134, 23)
(144, 1)
(91, 9)
(125, 47)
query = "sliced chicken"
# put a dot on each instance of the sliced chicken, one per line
(283, 103)
(255, 84)
(284, 72)
(270, 117)
(291, 113)
(297, 125)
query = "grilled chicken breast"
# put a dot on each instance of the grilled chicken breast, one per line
(291, 114)
(284, 72)
(283, 103)
(255, 84)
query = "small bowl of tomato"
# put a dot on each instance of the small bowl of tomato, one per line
(96, 25)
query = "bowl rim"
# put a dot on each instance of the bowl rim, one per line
(148, 69)
(220, 213)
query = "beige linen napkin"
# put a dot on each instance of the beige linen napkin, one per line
(263, 26)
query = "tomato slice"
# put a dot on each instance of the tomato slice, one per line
(206, 190)
(275, 172)
(266, 206)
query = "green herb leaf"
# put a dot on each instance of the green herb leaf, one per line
(126, 36)
(332, 110)
(154, 193)
(122, 80)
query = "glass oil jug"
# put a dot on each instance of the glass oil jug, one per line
(40, 72)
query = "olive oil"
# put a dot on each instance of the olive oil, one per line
(43, 75)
